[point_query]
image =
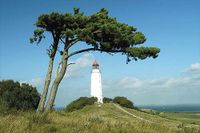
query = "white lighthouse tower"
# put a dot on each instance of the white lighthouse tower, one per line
(96, 87)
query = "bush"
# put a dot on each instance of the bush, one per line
(14, 96)
(123, 101)
(107, 100)
(80, 103)
(3, 107)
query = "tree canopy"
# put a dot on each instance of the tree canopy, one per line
(100, 31)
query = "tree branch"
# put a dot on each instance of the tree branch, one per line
(62, 41)
(92, 49)
(71, 63)
(72, 42)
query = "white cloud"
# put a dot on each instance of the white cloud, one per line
(194, 68)
(76, 70)
(158, 91)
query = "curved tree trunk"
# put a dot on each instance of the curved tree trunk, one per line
(48, 75)
(46, 86)
(56, 82)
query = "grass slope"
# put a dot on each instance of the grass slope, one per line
(93, 119)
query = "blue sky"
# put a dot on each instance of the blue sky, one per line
(171, 25)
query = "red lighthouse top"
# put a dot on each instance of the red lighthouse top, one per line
(95, 65)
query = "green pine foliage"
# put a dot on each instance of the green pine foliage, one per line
(99, 31)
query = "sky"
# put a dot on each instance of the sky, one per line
(171, 25)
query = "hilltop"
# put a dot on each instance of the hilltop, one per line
(107, 118)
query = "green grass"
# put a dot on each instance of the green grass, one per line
(92, 119)
(190, 118)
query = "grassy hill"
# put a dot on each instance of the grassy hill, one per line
(107, 118)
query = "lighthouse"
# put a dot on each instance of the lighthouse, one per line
(96, 86)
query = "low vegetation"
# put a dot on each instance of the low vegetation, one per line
(80, 103)
(123, 101)
(185, 117)
(84, 101)
(107, 100)
(19, 101)
(106, 118)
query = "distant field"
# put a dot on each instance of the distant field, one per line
(107, 118)
(186, 113)
(192, 118)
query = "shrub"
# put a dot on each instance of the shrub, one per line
(123, 101)
(80, 103)
(16, 96)
(3, 107)
(107, 100)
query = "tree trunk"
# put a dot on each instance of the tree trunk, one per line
(46, 86)
(52, 53)
(56, 82)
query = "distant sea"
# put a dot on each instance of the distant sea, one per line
(172, 108)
